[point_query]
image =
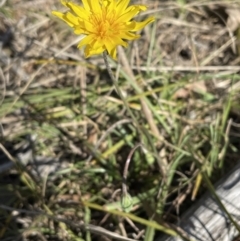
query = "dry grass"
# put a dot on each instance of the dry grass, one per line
(66, 135)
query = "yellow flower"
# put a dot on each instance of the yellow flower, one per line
(105, 24)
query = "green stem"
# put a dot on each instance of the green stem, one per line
(142, 130)
(115, 83)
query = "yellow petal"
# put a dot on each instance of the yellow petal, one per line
(129, 14)
(122, 5)
(110, 5)
(130, 36)
(86, 4)
(140, 25)
(87, 40)
(92, 6)
(112, 44)
(96, 8)
(139, 7)
(79, 31)
(71, 18)
(128, 26)
(113, 53)
(64, 3)
(88, 27)
(78, 10)
(63, 17)
(89, 51)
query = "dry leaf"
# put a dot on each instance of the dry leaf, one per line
(184, 93)
(233, 21)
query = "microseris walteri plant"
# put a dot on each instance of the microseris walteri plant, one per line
(105, 24)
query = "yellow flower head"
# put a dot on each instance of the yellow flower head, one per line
(105, 24)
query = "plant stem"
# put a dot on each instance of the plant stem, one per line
(115, 83)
